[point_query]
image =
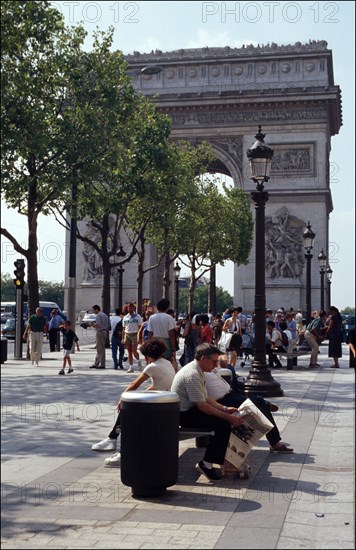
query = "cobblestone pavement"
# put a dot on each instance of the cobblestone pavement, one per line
(56, 492)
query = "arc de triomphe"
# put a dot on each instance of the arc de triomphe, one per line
(221, 95)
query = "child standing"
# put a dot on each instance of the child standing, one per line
(69, 337)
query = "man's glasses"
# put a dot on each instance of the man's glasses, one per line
(215, 361)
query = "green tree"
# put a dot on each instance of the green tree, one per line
(200, 304)
(348, 311)
(216, 227)
(8, 290)
(50, 291)
(36, 49)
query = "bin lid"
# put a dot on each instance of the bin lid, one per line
(153, 396)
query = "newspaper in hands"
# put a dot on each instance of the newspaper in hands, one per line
(245, 436)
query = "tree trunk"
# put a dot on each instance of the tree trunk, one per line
(140, 273)
(32, 271)
(105, 259)
(192, 286)
(166, 275)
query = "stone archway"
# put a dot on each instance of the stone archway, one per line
(221, 95)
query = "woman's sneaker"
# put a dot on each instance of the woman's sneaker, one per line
(113, 461)
(106, 444)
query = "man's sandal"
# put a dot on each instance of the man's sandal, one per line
(281, 449)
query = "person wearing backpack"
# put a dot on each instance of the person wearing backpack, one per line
(286, 335)
(275, 337)
(116, 339)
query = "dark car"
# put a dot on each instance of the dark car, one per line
(348, 323)
(5, 316)
(9, 329)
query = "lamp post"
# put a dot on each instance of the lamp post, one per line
(120, 271)
(260, 380)
(177, 270)
(329, 274)
(322, 269)
(308, 239)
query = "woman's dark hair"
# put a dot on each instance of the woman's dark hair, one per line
(283, 325)
(204, 319)
(153, 348)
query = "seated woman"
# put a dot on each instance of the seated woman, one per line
(161, 372)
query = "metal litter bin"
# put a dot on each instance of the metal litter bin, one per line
(149, 441)
(3, 350)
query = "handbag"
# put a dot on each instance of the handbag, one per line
(225, 340)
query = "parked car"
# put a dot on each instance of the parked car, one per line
(5, 316)
(9, 329)
(348, 323)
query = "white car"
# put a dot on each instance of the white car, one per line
(88, 320)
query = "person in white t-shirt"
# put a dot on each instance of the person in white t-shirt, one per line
(161, 325)
(161, 373)
(131, 324)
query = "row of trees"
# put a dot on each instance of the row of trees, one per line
(50, 291)
(78, 140)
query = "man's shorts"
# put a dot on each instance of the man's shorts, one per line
(130, 337)
(66, 352)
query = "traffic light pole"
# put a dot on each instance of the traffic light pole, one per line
(18, 324)
(19, 282)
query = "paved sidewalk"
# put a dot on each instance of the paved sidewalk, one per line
(58, 494)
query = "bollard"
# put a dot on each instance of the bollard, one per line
(3, 350)
(149, 441)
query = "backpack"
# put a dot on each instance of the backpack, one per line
(285, 340)
(117, 332)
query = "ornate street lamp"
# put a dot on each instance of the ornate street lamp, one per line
(120, 271)
(260, 380)
(329, 275)
(322, 268)
(308, 240)
(177, 270)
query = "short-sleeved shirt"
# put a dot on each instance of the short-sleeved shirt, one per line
(37, 323)
(101, 321)
(69, 337)
(189, 385)
(216, 386)
(160, 324)
(162, 373)
(132, 323)
(55, 321)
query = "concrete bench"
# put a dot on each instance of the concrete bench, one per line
(201, 436)
(292, 356)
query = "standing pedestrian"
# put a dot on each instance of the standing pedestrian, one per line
(116, 339)
(36, 326)
(131, 323)
(314, 335)
(53, 329)
(101, 324)
(69, 337)
(162, 325)
(334, 333)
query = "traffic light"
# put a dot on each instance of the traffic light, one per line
(19, 273)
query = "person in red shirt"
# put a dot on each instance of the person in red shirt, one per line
(206, 334)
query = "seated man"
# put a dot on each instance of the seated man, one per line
(198, 410)
(221, 391)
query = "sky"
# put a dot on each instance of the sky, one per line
(147, 26)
